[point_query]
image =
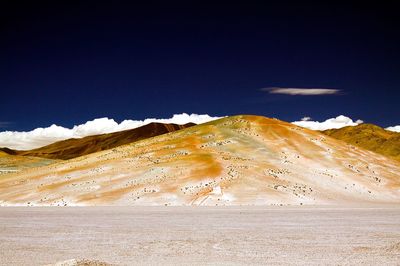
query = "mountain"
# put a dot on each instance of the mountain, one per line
(370, 137)
(72, 148)
(247, 160)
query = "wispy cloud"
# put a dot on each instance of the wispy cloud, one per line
(306, 118)
(44, 136)
(301, 91)
(4, 124)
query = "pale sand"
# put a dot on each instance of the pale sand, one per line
(201, 235)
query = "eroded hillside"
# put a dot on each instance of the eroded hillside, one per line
(16, 163)
(370, 137)
(236, 160)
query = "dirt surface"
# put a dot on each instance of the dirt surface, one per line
(200, 235)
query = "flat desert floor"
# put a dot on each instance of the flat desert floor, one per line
(201, 235)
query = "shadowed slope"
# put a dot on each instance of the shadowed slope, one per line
(72, 148)
(370, 137)
(248, 160)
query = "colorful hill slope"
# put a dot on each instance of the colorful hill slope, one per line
(370, 137)
(236, 160)
(16, 163)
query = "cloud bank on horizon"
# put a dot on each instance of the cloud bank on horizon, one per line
(334, 123)
(39, 137)
(394, 128)
(43, 136)
(301, 91)
(337, 122)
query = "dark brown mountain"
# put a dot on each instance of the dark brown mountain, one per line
(370, 137)
(71, 148)
(8, 151)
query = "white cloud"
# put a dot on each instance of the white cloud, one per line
(306, 118)
(43, 136)
(394, 128)
(301, 91)
(338, 122)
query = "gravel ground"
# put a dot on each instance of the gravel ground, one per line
(200, 235)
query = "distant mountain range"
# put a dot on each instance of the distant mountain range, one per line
(238, 160)
(72, 148)
(370, 137)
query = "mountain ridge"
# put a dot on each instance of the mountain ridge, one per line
(370, 137)
(238, 160)
(75, 147)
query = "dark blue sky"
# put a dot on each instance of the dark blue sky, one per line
(73, 62)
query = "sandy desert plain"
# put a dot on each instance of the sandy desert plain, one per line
(368, 235)
(242, 190)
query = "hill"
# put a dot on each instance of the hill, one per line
(15, 163)
(248, 160)
(72, 148)
(370, 137)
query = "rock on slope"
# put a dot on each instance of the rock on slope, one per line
(370, 137)
(72, 148)
(236, 160)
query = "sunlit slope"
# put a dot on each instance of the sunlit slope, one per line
(370, 137)
(15, 163)
(231, 161)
